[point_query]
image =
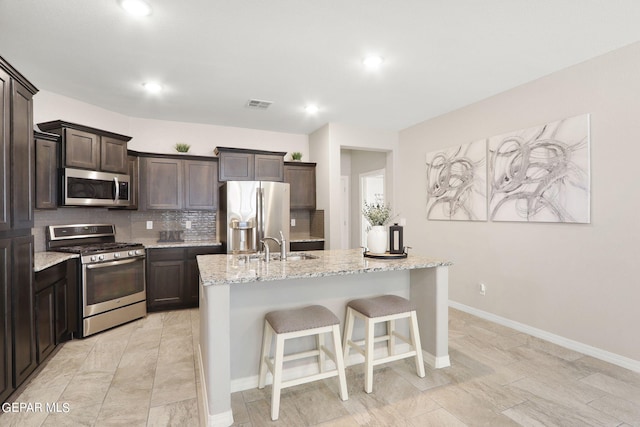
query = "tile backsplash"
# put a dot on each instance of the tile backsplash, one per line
(129, 224)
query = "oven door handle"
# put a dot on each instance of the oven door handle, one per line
(112, 263)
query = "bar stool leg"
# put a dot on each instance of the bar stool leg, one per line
(415, 341)
(391, 327)
(369, 327)
(264, 354)
(342, 378)
(348, 331)
(321, 355)
(277, 377)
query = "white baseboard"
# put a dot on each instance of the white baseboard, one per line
(598, 353)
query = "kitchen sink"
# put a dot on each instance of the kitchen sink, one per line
(293, 256)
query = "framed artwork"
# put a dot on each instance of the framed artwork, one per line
(457, 183)
(542, 173)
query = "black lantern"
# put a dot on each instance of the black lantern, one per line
(395, 239)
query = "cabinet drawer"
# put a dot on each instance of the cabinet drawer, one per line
(51, 275)
(205, 250)
(307, 246)
(168, 254)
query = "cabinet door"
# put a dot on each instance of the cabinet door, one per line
(5, 161)
(21, 156)
(302, 182)
(134, 183)
(46, 174)
(81, 149)
(236, 166)
(113, 155)
(24, 331)
(269, 167)
(163, 183)
(62, 310)
(165, 286)
(201, 185)
(6, 382)
(193, 274)
(45, 322)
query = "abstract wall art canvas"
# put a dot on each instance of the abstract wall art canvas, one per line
(457, 183)
(541, 174)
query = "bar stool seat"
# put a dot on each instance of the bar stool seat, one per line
(384, 308)
(295, 323)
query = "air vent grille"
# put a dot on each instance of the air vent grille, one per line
(258, 104)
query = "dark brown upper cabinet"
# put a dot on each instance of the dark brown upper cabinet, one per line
(302, 182)
(239, 164)
(16, 149)
(170, 183)
(46, 170)
(84, 147)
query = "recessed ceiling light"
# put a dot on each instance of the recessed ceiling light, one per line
(373, 62)
(311, 109)
(152, 87)
(136, 7)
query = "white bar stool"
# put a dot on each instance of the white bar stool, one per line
(287, 324)
(385, 308)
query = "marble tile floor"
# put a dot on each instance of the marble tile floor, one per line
(145, 373)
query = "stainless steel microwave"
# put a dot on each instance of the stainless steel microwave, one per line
(90, 188)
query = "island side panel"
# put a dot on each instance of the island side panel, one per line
(430, 293)
(215, 353)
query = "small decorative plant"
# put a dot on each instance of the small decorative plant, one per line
(377, 213)
(182, 148)
(296, 155)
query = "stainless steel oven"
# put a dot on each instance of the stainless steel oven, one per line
(112, 277)
(90, 188)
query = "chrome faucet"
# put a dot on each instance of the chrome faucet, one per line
(283, 247)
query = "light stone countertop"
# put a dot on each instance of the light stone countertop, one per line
(228, 269)
(44, 260)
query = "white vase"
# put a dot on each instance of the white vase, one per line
(377, 239)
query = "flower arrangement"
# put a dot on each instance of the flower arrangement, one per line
(296, 155)
(377, 213)
(182, 148)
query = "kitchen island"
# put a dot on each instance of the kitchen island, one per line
(235, 294)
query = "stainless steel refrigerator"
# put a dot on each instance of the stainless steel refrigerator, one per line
(250, 211)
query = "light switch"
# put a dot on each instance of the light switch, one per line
(293, 222)
(149, 225)
(187, 225)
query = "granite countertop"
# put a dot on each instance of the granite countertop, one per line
(228, 269)
(43, 260)
(154, 244)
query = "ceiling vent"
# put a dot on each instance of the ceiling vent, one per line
(257, 104)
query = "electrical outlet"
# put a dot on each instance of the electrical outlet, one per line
(403, 222)
(293, 222)
(187, 225)
(482, 288)
(149, 225)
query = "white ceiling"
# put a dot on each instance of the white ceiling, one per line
(214, 55)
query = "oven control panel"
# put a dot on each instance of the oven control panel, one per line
(113, 256)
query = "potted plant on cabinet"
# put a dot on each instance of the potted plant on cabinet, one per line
(182, 148)
(296, 156)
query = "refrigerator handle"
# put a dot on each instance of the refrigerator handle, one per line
(260, 214)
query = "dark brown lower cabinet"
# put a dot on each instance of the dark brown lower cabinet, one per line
(45, 322)
(6, 349)
(173, 278)
(24, 328)
(55, 306)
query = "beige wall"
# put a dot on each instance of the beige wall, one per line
(581, 282)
